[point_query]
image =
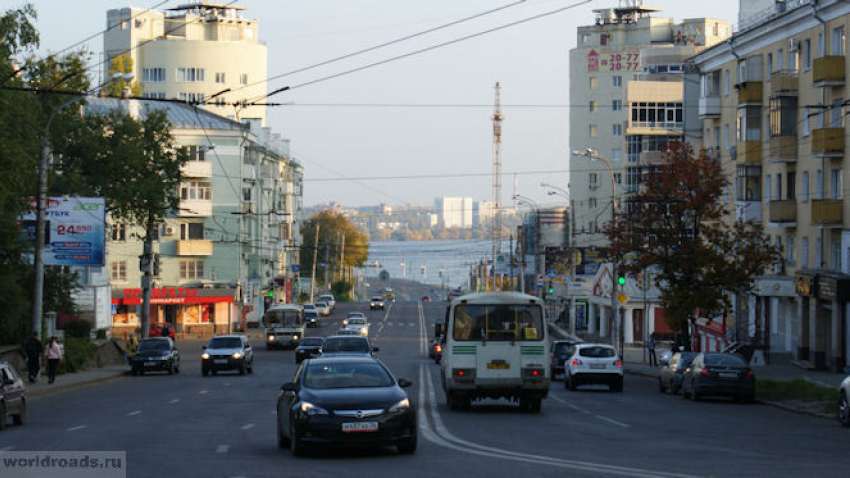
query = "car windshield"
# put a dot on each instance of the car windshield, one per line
(312, 341)
(356, 321)
(377, 298)
(283, 318)
(597, 352)
(561, 348)
(356, 314)
(311, 314)
(498, 322)
(723, 359)
(326, 298)
(225, 343)
(146, 345)
(323, 375)
(346, 344)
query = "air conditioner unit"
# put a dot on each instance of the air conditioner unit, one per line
(793, 44)
(169, 231)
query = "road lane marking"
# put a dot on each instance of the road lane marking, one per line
(175, 400)
(222, 448)
(557, 398)
(611, 420)
(274, 412)
(78, 427)
(7, 448)
(248, 426)
(202, 392)
(134, 413)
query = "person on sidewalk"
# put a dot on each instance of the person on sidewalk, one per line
(33, 350)
(653, 360)
(53, 354)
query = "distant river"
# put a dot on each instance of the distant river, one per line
(441, 263)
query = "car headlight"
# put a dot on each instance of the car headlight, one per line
(294, 337)
(205, 356)
(237, 355)
(271, 338)
(311, 410)
(344, 323)
(400, 406)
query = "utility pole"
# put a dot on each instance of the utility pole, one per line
(315, 258)
(512, 263)
(342, 260)
(146, 265)
(522, 260)
(573, 257)
(497, 179)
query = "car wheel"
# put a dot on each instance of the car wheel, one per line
(177, 368)
(242, 368)
(268, 347)
(141, 372)
(251, 368)
(282, 440)
(695, 396)
(21, 417)
(451, 401)
(843, 410)
(661, 387)
(685, 393)
(675, 389)
(2, 416)
(617, 385)
(214, 372)
(408, 447)
(171, 368)
(296, 446)
(205, 371)
(535, 405)
(572, 383)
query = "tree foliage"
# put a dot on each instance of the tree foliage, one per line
(122, 63)
(678, 226)
(332, 227)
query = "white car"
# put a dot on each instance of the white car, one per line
(329, 299)
(323, 308)
(359, 324)
(844, 402)
(594, 363)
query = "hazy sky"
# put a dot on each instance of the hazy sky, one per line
(429, 114)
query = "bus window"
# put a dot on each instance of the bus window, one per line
(283, 318)
(503, 322)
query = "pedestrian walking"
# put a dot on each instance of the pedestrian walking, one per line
(53, 354)
(653, 360)
(33, 350)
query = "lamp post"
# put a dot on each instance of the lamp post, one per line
(594, 155)
(43, 167)
(524, 200)
(556, 191)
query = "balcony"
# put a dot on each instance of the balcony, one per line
(652, 158)
(749, 152)
(195, 208)
(709, 107)
(635, 128)
(828, 71)
(195, 247)
(826, 212)
(782, 149)
(784, 83)
(828, 142)
(750, 93)
(748, 211)
(782, 213)
(197, 169)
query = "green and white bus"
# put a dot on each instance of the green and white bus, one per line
(284, 326)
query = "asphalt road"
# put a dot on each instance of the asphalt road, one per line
(188, 425)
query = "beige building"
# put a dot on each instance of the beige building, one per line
(193, 52)
(773, 106)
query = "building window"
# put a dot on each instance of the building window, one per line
(594, 130)
(160, 95)
(806, 121)
(592, 180)
(790, 244)
(219, 77)
(768, 187)
(119, 271)
(196, 190)
(190, 75)
(805, 186)
(769, 65)
(838, 41)
(748, 183)
(153, 75)
(617, 105)
(192, 97)
(780, 58)
(807, 54)
(194, 230)
(804, 252)
(243, 79)
(119, 232)
(196, 153)
(618, 81)
(726, 87)
(819, 185)
(191, 270)
(836, 182)
(835, 253)
(618, 178)
(837, 117)
(726, 136)
(591, 203)
(783, 117)
(248, 193)
(594, 82)
(616, 154)
(792, 60)
(660, 115)
(617, 129)
(717, 137)
(818, 252)
(593, 106)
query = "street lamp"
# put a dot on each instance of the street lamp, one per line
(556, 191)
(43, 166)
(537, 234)
(594, 155)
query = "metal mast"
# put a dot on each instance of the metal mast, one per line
(497, 180)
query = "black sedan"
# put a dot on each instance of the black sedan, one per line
(670, 376)
(345, 401)
(311, 317)
(309, 347)
(155, 354)
(560, 351)
(716, 374)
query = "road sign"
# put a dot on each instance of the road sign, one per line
(539, 280)
(296, 267)
(551, 273)
(622, 298)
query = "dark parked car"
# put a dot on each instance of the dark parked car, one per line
(309, 347)
(670, 376)
(345, 401)
(560, 351)
(155, 354)
(347, 345)
(13, 396)
(718, 374)
(227, 352)
(311, 318)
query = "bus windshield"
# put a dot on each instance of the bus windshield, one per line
(498, 322)
(283, 318)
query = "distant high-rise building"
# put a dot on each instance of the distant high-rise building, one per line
(483, 212)
(455, 211)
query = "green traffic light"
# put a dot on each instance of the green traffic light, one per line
(621, 280)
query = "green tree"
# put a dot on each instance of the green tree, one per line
(122, 63)
(678, 225)
(332, 227)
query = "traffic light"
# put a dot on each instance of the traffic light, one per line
(271, 292)
(156, 265)
(621, 280)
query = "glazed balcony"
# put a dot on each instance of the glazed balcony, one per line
(784, 82)
(749, 152)
(197, 169)
(826, 212)
(709, 107)
(782, 149)
(828, 142)
(828, 71)
(195, 247)
(652, 158)
(782, 213)
(750, 93)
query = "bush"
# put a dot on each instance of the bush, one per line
(78, 328)
(101, 334)
(77, 353)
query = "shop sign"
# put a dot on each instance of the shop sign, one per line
(833, 288)
(74, 230)
(805, 285)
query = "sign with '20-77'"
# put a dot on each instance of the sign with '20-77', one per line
(74, 230)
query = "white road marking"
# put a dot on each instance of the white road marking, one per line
(412, 324)
(79, 427)
(611, 420)
(222, 448)
(248, 426)
(134, 412)
(274, 412)
(175, 400)
(7, 448)
(557, 398)
(202, 392)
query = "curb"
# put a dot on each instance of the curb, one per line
(798, 411)
(640, 373)
(43, 392)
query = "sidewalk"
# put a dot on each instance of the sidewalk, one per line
(70, 381)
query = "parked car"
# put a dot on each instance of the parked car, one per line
(844, 402)
(347, 345)
(162, 329)
(719, 374)
(559, 352)
(670, 376)
(155, 354)
(323, 308)
(330, 300)
(309, 347)
(377, 302)
(594, 363)
(342, 401)
(311, 318)
(13, 396)
(227, 352)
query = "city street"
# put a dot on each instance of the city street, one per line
(224, 425)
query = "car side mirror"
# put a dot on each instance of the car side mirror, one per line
(288, 387)
(7, 381)
(404, 383)
(374, 349)
(203, 347)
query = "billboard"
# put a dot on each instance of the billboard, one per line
(74, 230)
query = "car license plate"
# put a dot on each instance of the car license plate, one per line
(498, 366)
(728, 374)
(354, 427)
(597, 365)
(150, 364)
(221, 361)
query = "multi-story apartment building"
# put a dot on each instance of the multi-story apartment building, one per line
(234, 233)
(455, 211)
(193, 52)
(773, 107)
(621, 121)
